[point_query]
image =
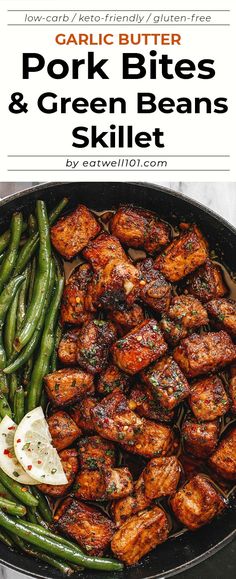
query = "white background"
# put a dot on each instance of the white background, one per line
(35, 133)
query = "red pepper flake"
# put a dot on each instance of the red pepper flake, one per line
(6, 451)
(24, 489)
(11, 428)
(39, 462)
(18, 440)
(29, 467)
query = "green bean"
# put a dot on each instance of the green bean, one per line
(12, 508)
(31, 515)
(18, 360)
(27, 372)
(31, 244)
(11, 254)
(41, 365)
(5, 409)
(19, 491)
(41, 281)
(2, 255)
(42, 541)
(10, 325)
(13, 384)
(19, 404)
(22, 300)
(4, 538)
(6, 236)
(60, 565)
(7, 296)
(43, 505)
(5, 494)
(3, 381)
(58, 335)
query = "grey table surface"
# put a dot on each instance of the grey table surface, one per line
(221, 197)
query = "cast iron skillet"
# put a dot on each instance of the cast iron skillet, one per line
(188, 549)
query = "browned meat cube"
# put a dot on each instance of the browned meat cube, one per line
(155, 290)
(223, 460)
(141, 533)
(63, 430)
(67, 349)
(117, 285)
(167, 382)
(200, 438)
(114, 420)
(183, 255)
(137, 501)
(208, 399)
(207, 282)
(206, 353)
(69, 459)
(93, 345)
(144, 404)
(71, 233)
(102, 250)
(185, 313)
(197, 503)
(127, 318)
(112, 378)
(86, 525)
(153, 440)
(73, 306)
(140, 347)
(65, 387)
(95, 453)
(223, 313)
(161, 477)
(90, 486)
(232, 389)
(140, 228)
(118, 483)
(81, 414)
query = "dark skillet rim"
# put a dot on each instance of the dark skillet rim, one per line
(172, 194)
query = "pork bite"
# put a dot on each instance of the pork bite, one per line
(114, 420)
(139, 347)
(139, 534)
(73, 305)
(167, 382)
(206, 353)
(86, 525)
(140, 228)
(153, 440)
(81, 414)
(90, 486)
(161, 477)
(70, 463)
(145, 404)
(111, 378)
(155, 290)
(102, 250)
(200, 438)
(232, 389)
(223, 313)
(132, 504)
(64, 431)
(66, 386)
(94, 341)
(207, 282)
(197, 503)
(95, 453)
(223, 460)
(208, 399)
(67, 349)
(117, 285)
(126, 319)
(185, 313)
(71, 233)
(183, 255)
